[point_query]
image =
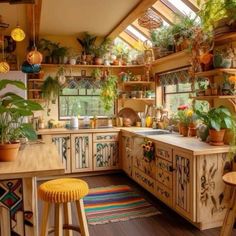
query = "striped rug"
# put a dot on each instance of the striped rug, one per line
(116, 203)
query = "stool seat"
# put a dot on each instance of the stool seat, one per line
(63, 190)
(230, 178)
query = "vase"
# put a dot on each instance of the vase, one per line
(184, 130)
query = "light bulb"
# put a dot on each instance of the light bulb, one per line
(4, 67)
(34, 57)
(18, 34)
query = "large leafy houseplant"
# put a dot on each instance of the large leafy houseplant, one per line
(217, 120)
(13, 109)
(87, 43)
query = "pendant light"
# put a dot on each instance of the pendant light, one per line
(4, 66)
(17, 33)
(34, 56)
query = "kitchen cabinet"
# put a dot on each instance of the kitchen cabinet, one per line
(184, 186)
(81, 153)
(127, 153)
(63, 144)
(106, 151)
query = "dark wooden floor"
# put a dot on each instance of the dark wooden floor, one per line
(166, 224)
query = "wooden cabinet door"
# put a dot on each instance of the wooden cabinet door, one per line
(127, 156)
(62, 143)
(184, 187)
(106, 151)
(81, 153)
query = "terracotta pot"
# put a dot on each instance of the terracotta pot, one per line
(192, 131)
(8, 152)
(216, 137)
(98, 61)
(184, 131)
(180, 128)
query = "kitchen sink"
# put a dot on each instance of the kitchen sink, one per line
(153, 132)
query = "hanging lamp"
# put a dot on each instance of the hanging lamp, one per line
(34, 56)
(17, 33)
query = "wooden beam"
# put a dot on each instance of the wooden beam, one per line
(165, 12)
(132, 16)
(37, 14)
(128, 39)
(192, 4)
(141, 29)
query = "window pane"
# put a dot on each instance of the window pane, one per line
(185, 87)
(171, 88)
(81, 105)
(175, 100)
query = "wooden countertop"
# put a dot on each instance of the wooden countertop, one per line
(188, 144)
(75, 131)
(33, 160)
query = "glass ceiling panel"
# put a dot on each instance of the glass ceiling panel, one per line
(136, 33)
(182, 7)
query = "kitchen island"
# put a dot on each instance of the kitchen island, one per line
(18, 187)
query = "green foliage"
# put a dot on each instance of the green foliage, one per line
(96, 73)
(217, 118)
(51, 88)
(215, 10)
(162, 37)
(109, 91)
(103, 48)
(13, 109)
(87, 43)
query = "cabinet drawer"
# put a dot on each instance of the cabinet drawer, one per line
(98, 137)
(144, 180)
(164, 172)
(164, 194)
(164, 152)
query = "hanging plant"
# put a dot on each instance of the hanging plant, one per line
(50, 91)
(108, 91)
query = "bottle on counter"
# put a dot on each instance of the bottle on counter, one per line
(41, 123)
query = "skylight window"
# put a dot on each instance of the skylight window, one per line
(136, 33)
(182, 7)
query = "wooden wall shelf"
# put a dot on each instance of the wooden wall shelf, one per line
(215, 72)
(91, 66)
(225, 38)
(137, 82)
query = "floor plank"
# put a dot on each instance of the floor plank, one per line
(168, 223)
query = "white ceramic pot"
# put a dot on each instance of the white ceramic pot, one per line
(72, 61)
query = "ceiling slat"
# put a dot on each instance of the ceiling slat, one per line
(192, 4)
(128, 39)
(165, 12)
(172, 7)
(132, 16)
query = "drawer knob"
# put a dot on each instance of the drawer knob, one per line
(171, 169)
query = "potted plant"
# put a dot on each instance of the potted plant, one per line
(217, 120)
(100, 51)
(13, 109)
(202, 85)
(162, 41)
(108, 91)
(50, 90)
(96, 73)
(184, 116)
(219, 15)
(87, 44)
(223, 58)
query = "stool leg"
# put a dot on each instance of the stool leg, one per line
(67, 217)
(58, 219)
(45, 218)
(82, 218)
(229, 220)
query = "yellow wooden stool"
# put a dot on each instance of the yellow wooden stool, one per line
(227, 228)
(62, 192)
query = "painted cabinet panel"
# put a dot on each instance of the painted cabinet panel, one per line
(62, 143)
(164, 193)
(105, 152)
(184, 184)
(127, 154)
(141, 159)
(212, 193)
(81, 153)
